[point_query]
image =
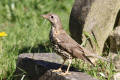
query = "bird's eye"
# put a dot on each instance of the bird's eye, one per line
(52, 17)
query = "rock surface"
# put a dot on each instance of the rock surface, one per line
(96, 17)
(117, 76)
(78, 16)
(38, 67)
(115, 40)
(115, 47)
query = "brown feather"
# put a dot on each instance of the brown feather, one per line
(63, 44)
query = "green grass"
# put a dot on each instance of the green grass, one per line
(28, 32)
(102, 70)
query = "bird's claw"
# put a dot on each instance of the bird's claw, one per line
(65, 73)
(58, 70)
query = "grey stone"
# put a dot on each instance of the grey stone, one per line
(117, 76)
(114, 39)
(78, 15)
(96, 17)
(39, 67)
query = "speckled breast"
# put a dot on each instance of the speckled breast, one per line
(57, 48)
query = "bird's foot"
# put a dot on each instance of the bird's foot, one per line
(65, 73)
(58, 70)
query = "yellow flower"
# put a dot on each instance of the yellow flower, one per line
(2, 34)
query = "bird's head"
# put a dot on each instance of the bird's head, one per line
(53, 18)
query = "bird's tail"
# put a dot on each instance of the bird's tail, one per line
(99, 57)
(90, 54)
(88, 60)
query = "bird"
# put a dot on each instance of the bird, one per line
(64, 45)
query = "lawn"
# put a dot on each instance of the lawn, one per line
(28, 32)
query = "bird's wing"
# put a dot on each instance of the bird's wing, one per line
(72, 47)
(69, 45)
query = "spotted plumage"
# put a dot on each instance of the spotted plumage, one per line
(58, 49)
(64, 45)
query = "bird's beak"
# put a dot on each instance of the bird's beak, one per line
(45, 16)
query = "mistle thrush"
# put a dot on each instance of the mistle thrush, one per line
(64, 45)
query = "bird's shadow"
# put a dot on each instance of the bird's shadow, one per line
(53, 65)
(28, 64)
(44, 48)
(35, 68)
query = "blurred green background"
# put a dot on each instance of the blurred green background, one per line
(27, 30)
(28, 33)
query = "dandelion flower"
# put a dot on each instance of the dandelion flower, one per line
(2, 34)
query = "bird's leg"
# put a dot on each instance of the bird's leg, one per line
(67, 71)
(59, 69)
